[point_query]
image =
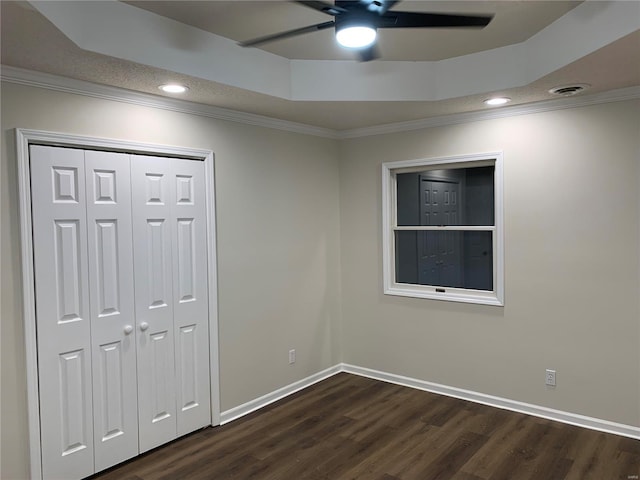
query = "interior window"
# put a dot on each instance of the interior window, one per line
(443, 240)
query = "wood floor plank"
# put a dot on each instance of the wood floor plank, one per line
(433, 446)
(599, 458)
(457, 453)
(391, 455)
(552, 457)
(354, 428)
(524, 454)
(485, 462)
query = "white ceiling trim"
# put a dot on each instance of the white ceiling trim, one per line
(79, 87)
(123, 31)
(618, 95)
(120, 30)
(583, 30)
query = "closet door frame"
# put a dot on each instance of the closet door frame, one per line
(26, 137)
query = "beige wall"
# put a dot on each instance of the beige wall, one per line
(571, 265)
(277, 197)
(299, 216)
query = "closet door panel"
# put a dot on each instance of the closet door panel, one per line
(62, 311)
(190, 292)
(152, 193)
(113, 345)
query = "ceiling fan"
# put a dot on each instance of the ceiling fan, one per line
(356, 23)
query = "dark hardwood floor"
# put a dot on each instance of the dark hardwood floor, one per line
(350, 427)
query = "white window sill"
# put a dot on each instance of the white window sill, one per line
(478, 297)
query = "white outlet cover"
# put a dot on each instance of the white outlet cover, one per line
(550, 378)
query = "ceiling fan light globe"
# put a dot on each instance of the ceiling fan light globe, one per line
(358, 36)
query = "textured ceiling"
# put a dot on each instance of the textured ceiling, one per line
(31, 42)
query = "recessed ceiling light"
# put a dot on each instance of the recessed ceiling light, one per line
(173, 88)
(497, 101)
(356, 36)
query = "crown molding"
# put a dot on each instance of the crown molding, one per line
(618, 95)
(80, 87)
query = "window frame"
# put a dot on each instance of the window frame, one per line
(389, 226)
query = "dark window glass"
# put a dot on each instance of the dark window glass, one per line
(457, 196)
(460, 259)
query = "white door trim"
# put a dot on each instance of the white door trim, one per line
(25, 137)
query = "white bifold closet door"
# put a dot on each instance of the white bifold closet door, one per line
(171, 298)
(59, 215)
(111, 298)
(121, 305)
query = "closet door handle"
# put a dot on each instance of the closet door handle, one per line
(144, 326)
(128, 329)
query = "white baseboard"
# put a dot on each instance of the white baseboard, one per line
(498, 402)
(253, 405)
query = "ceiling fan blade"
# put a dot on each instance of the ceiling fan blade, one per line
(386, 5)
(369, 53)
(287, 34)
(323, 7)
(375, 6)
(431, 20)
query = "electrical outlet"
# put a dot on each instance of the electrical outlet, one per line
(550, 378)
(292, 356)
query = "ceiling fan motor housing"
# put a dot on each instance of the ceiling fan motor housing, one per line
(357, 18)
